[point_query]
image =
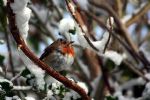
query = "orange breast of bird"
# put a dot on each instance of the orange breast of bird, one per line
(69, 50)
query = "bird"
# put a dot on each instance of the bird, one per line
(59, 55)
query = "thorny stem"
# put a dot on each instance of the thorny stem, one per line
(22, 45)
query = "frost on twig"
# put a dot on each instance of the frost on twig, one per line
(22, 13)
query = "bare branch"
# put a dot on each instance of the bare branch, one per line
(140, 12)
(77, 16)
(100, 23)
(119, 24)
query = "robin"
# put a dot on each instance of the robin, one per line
(59, 55)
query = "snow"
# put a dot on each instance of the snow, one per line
(5, 80)
(4, 2)
(65, 25)
(114, 56)
(22, 87)
(110, 22)
(19, 5)
(35, 70)
(147, 89)
(49, 93)
(100, 45)
(126, 18)
(1, 70)
(8, 98)
(29, 98)
(83, 85)
(22, 16)
(22, 20)
(16, 98)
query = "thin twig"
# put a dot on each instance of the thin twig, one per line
(105, 76)
(9, 53)
(100, 23)
(120, 25)
(56, 8)
(119, 7)
(109, 37)
(11, 64)
(135, 70)
(22, 45)
(22, 88)
(135, 17)
(134, 53)
(76, 15)
(4, 24)
(15, 77)
(45, 25)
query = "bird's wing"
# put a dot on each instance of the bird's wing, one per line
(48, 50)
(46, 53)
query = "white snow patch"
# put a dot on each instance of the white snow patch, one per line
(29, 98)
(5, 80)
(35, 70)
(49, 93)
(114, 56)
(83, 85)
(65, 25)
(4, 2)
(22, 16)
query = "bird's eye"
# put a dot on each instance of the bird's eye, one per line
(64, 42)
(60, 40)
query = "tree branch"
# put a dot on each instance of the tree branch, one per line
(135, 17)
(100, 23)
(122, 28)
(77, 17)
(119, 24)
(22, 46)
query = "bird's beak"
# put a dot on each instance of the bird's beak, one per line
(71, 42)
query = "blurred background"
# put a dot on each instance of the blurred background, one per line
(105, 80)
